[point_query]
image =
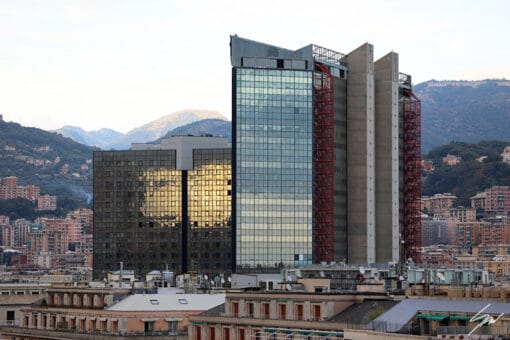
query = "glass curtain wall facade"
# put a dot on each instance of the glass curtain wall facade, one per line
(210, 210)
(273, 168)
(151, 216)
(137, 211)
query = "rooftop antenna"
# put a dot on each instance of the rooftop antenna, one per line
(120, 273)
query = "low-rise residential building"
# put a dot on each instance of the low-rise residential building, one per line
(14, 297)
(48, 243)
(478, 201)
(449, 319)
(452, 159)
(85, 217)
(427, 166)
(47, 202)
(4, 220)
(463, 214)
(505, 155)
(439, 204)
(468, 233)
(108, 313)
(438, 257)
(72, 227)
(274, 314)
(497, 200)
(494, 233)
(29, 192)
(9, 189)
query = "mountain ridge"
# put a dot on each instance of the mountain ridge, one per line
(464, 111)
(159, 127)
(100, 138)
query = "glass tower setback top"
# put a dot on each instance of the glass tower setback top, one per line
(273, 163)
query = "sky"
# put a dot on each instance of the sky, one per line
(120, 64)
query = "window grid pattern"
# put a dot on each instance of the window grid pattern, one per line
(273, 168)
(210, 210)
(137, 211)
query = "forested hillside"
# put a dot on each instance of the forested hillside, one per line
(470, 176)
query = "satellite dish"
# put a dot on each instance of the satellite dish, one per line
(289, 287)
(362, 270)
(229, 279)
(322, 274)
(289, 278)
(401, 278)
(212, 282)
(441, 276)
(206, 277)
(222, 280)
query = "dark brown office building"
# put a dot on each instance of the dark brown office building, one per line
(164, 206)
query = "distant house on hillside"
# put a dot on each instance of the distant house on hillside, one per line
(451, 159)
(506, 155)
(427, 166)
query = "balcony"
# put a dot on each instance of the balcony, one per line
(16, 331)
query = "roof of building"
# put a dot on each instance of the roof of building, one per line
(169, 302)
(215, 311)
(364, 312)
(397, 317)
(20, 300)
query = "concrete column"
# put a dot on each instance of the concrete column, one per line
(67, 299)
(360, 156)
(387, 228)
(50, 299)
(273, 309)
(77, 300)
(307, 312)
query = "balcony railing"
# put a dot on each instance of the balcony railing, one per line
(14, 327)
(294, 317)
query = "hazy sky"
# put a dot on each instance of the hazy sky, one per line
(122, 63)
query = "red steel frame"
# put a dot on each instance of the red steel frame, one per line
(323, 165)
(412, 176)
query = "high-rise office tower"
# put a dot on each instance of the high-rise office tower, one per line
(164, 206)
(319, 156)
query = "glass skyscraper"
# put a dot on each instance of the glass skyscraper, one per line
(316, 156)
(164, 206)
(273, 157)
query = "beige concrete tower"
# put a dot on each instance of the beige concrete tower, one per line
(386, 158)
(360, 156)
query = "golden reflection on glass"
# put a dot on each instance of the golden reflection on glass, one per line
(209, 195)
(161, 202)
(209, 211)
